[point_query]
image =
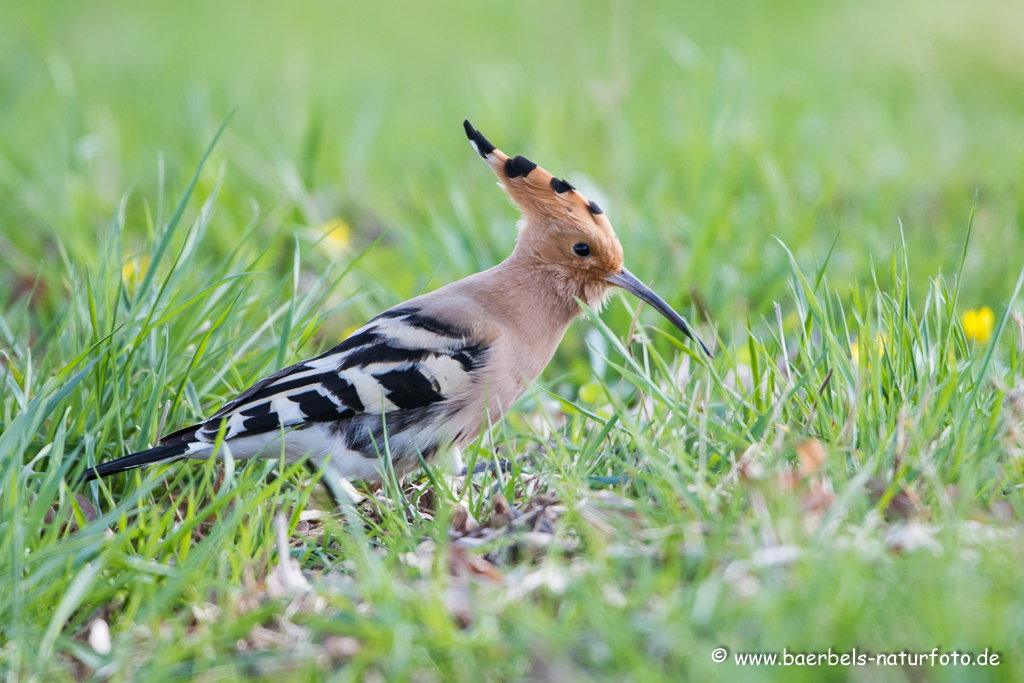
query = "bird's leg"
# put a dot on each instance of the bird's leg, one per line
(344, 496)
(504, 464)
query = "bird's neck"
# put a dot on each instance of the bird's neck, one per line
(536, 293)
(529, 303)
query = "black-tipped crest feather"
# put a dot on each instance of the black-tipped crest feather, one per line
(483, 146)
(561, 186)
(519, 166)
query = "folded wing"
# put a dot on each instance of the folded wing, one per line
(401, 360)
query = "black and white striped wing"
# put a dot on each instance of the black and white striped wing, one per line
(401, 360)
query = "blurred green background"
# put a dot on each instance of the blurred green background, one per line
(703, 129)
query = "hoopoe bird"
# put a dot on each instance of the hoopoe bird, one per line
(427, 375)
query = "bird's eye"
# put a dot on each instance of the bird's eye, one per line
(581, 250)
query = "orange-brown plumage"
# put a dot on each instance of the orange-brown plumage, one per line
(430, 373)
(556, 216)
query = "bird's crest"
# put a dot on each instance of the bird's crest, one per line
(539, 195)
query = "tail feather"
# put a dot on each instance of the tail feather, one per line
(140, 459)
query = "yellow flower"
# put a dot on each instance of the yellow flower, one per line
(880, 339)
(135, 269)
(978, 324)
(336, 236)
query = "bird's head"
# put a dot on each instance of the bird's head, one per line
(566, 234)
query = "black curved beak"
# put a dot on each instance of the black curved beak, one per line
(633, 285)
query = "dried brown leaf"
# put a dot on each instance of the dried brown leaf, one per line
(465, 564)
(89, 510)
(812, 456)
(69, 522)
(463, 522)
(903, 505)
(341, 648)
(502, 512)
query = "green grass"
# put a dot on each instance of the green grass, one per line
(792, 493)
